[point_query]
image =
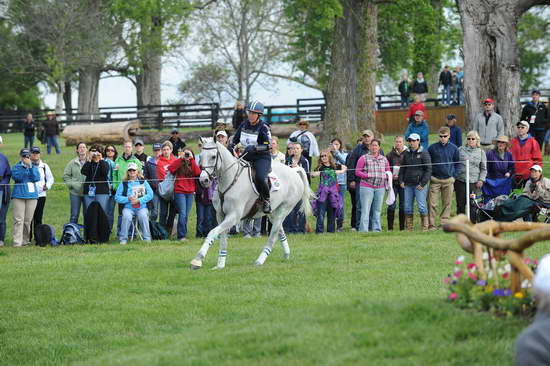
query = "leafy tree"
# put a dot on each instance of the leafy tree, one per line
(207, 82)
(534, 47)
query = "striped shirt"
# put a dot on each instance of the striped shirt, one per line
(372, 170)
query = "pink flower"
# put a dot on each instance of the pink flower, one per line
(446, 280)
(505, 275)
(458, 274)
(453, 296)
(458, 263)
(472, 276)
(471, 266)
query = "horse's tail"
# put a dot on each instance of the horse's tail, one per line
(308, 194)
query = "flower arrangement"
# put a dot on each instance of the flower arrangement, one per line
(468, 290)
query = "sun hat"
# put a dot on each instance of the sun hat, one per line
(368, 133)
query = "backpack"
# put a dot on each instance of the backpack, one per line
(45, 235)
(166, 187)
(71, 234)
(158, 232)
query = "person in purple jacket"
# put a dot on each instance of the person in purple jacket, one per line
(500, 169)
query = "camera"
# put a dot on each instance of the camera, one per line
(187, 154)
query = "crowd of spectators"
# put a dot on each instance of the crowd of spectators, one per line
(414, 176)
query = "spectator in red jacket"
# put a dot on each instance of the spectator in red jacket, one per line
(167, 207)
(418, 105)
(526, 153)
(185, 169)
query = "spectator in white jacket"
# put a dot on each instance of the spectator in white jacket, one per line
(43, 185)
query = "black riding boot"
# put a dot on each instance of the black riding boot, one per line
(263, 190)
(401, 220)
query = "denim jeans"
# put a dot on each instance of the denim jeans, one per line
(102, 199)
(142, 219)
(184, 202)
(342, 192)
(295, 222)
(446, 94)
(371, 207)
(154, 206)
(411, 193)
(325, 207)
(52, 141)
(206, 219)
(29, 140)
(404, 101)
(76, 203)
(111, 212)
(459, 96)
(3, 214)
(358, 208)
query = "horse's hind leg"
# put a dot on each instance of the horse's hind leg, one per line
(277, 219)
(284, 243)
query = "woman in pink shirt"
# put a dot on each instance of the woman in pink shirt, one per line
(372, 168)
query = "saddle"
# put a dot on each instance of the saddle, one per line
(273, 184)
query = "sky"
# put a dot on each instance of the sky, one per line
(115, 92)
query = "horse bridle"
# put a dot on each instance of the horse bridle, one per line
(212, 175)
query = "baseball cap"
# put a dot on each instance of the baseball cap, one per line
(174, 130)
(138, 142)
(367, 132)
(156, 146)
(541, 282)
(522, 123)
(132, 166)
(24, 152)
(414, 136)
(489, 100)
(450, 117)
(35, 150)
(536, 167)
(535, 91)
(221, 133)
(418, 113)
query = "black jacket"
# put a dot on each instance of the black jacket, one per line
(405, 88)
(416, 174)
(150, 172)
(96, 224)
(177, 145)
(96, 172)
(542, 117)
(351, 161)
(29, 128)
(445, 78)
(420, 88)
(51, 127)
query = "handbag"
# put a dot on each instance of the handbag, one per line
(166, 187)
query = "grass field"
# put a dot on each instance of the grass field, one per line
(342, 299)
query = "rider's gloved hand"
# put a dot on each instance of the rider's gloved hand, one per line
(249, 149)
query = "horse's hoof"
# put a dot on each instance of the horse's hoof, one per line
(286, 256)
(196, 264)
(258, 263)
(215, 268)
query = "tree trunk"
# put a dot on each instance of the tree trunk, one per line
(88, 85)
(68, 99)
(368, 54)
(59, 103)
(351, 87)
(491, 58)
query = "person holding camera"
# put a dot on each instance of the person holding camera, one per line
(96, 186)
(24, 197)
(185, 169)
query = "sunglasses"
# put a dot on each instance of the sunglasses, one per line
(471, 138)
(131, 170)
(110, 150)
(410, 140)
(418, 115)
(443, 136)
(488, 103)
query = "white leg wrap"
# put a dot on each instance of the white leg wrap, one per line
(221, 258)
(263, 256)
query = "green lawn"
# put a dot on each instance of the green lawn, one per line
(342, 299)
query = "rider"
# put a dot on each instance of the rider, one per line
(254, 135)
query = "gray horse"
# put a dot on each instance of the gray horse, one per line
(235, 199)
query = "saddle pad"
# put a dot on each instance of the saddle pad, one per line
(274, 183)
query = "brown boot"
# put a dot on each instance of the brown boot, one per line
(546, 149)
(401, 220)
(409, 223)
(391, 216)
(425, 222)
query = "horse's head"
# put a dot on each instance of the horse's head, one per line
(209, 161)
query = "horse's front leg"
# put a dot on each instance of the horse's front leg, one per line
(222, 227)
(222, 254)
(284, 243)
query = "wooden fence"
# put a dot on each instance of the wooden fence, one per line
(392, 121)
